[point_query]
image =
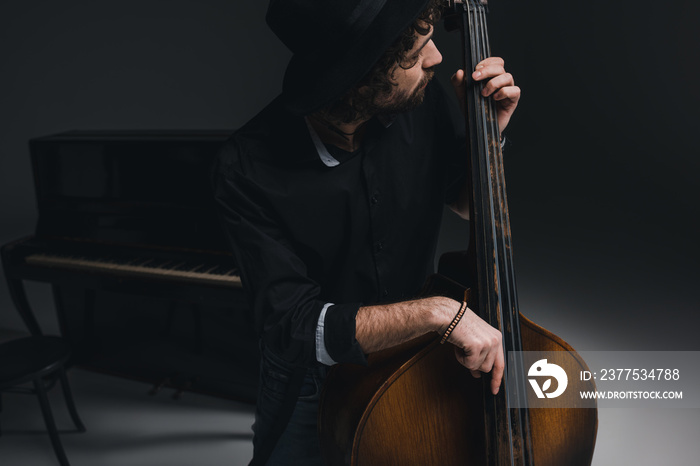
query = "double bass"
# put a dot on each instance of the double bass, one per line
(414, 404)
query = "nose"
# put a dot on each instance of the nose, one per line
(432, 55)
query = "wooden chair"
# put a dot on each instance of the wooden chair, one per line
(39, 360)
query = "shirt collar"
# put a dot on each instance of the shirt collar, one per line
(386, 120)
(323, 154)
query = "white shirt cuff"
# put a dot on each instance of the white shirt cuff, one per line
(322, 355)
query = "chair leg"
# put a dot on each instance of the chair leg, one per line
(0, 412)
(68, 395)
(50, 424)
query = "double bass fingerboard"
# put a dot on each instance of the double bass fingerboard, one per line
(508, 430)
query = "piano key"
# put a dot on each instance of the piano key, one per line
(181, 267)
(220, 270)
(196, 268)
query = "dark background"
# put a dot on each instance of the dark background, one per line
(602, 165)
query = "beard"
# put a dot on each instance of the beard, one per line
(359, 105)
(404, 101)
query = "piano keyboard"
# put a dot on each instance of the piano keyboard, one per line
(144, 267)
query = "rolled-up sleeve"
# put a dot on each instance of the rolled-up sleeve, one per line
(332, 335)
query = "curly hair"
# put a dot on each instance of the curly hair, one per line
(360, 101)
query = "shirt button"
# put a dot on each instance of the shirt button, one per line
(386, 292)
(379, 246)
(374, 199)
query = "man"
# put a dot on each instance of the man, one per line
(332, 199)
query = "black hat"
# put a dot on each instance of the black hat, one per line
(335, 44)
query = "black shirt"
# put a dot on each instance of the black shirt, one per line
(363, 232)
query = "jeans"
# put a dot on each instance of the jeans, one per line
(299, 444)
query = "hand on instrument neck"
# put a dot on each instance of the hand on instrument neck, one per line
(499, 84)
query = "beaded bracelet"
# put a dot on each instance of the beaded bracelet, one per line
(454, 323)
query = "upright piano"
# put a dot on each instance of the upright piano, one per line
(129, 240)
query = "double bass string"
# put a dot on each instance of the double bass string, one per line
(497, 426)
(481, 210)
(506, 275)
(495, 268)
(489, 295)
(505, 453)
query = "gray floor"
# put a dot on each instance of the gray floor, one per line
(126, 426)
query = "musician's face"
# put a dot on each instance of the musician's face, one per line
(412, 75)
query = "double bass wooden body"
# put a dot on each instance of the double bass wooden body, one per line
(414, 404)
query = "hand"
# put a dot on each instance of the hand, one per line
(500, 86)
(478, 347)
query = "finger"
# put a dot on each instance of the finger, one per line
(496, 83)
(457, 81)
(476, 374)
(457, 78)
(460, 355)
(487, 72)
(470, 360)
(488, 363)
(490, 61)
(511, 93)
(497, 372)
(474, 361)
